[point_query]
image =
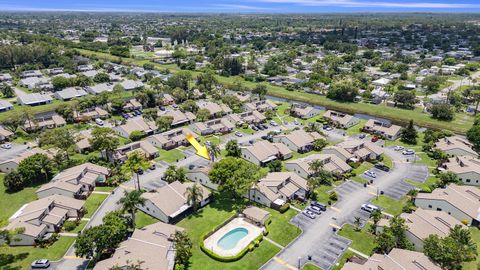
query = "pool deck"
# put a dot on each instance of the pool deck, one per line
(211, 242)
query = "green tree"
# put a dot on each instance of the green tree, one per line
(453, 250)
(343, 90)
(62, 138)
(13, 181)
(319, 144)
(101, 77)
(409, 134)
(194, 195)
(448, 178)
(173, 174)
(432, 84)
(213, 151)
(104, 139)
(357, 222)
(60, 82)
(37, 168)
(405, 99)
(235, 176)
(473, 135)
(260, 90)
(275, 166)
(135, 162)
(442, 112)
(164, 122)
(183, 248)
(6, 90)
(232, 148)
(393, 236)
(13, 123)
(189, 106)
(130, 203)
(136, 135)
(203, 115)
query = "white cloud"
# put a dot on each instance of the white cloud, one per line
(356, 3)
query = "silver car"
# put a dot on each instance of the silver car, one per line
(42, 263)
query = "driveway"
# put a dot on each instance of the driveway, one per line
(318, 243)
(15, 151)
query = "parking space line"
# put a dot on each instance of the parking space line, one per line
(126, 187)
(72, 257)
(335, 209)
(286, 264)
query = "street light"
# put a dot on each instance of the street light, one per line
(299, 258)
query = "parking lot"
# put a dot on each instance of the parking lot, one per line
(347, 188)
(417, 173)
(379, 174)
(328, 252)
(16, 150)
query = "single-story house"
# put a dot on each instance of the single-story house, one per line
(169, 203)
(100, 88)
(153, 245)
(221, 125)
(256, 214)
(135, 124)
(261, 106)
(216, 110)
(5, 106)
(171, 139)
(465, 167)
(252, 117)
(43, 216)
(34, 99)
(387, 130)
(278, 188)
(179, 117)
(304, 112)
(70, 93)
(129, 85)
(456, 146)
(5, 134)
(11, 164)
(299, 140)
(340, 119)
(89, 114)
(122, 152)
(330, 162)
(262, 152)
(461, 202)
(360, 150)
(50, 121)
(423, 223)
(200, 175)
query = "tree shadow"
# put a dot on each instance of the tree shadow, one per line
(6, 259)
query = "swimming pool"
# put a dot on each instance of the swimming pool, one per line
(231, 238)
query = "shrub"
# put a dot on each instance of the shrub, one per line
(265, 232)
(257, 243)
(70, 225)
(284, 208)
(426, 190)
(333, 196)
(251, 247)
(465, 222)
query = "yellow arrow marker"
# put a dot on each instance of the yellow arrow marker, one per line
(201, 150)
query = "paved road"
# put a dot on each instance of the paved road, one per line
(15, 151)
(318, 239)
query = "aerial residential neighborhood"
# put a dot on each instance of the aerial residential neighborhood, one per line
(271, 135)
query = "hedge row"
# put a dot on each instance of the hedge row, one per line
(237, 257)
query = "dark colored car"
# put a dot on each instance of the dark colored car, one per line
(140, 171)
(322, 206)
(382, 167)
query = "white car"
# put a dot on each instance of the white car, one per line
(309, 214)
(43, 263)
(408, 152)
(238, 134)
(371, 174)
(99, 121)
(398, 148)
(369, 207)
(6, 146)
(273, 123)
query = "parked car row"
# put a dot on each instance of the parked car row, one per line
(315, 208)
(132, 114)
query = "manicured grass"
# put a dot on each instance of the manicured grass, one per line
(80, 227)
(400, 116)
(170, 156)
(387, 161)
(213, 139)
(322, 193)
(93, 202)
(105, 189)
(431, 179)
(357, 129)
(310, 266)
(281, 231)
(390, 205)
(11, 202)
(475, 232)
(22, 257)
(142, 219)
(365, 166)
(347, 255)
(209, 218)
(362, 241)
(247, 131)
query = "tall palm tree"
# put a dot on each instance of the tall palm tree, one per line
(135, 162)
(194, 194)
(130, 201)
(213, 151)
(315, 166)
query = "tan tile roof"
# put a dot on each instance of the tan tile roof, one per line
(455, 142)
(464, 198)
(391, 130)
(263, 150)
(302, 138)
(331, 163)
(463, 164)
(338, 117)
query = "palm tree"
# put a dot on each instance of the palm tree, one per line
(135, 162)
(357, 222)
(130, 201)
(315, 166)
(213, 151)
(194, 194)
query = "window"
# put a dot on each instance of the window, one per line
(429, 206)
(439, 209)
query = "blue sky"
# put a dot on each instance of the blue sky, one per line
(262, 6)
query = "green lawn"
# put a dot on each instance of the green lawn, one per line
(170, 156)
(362, 241)
(322, 193)
(142, 219)
(22, 257)
(11, 202)
(310, 266)
(475, 232)
(247, 131)
(80, 227)
(357, 129)
(365, 166)
(281, 231)
(105, 189)
(93, 202)
(212, 216)
(431, 179)
(390, 205)
(347, 255)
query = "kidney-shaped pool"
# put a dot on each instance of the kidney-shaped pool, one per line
(231, 238)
